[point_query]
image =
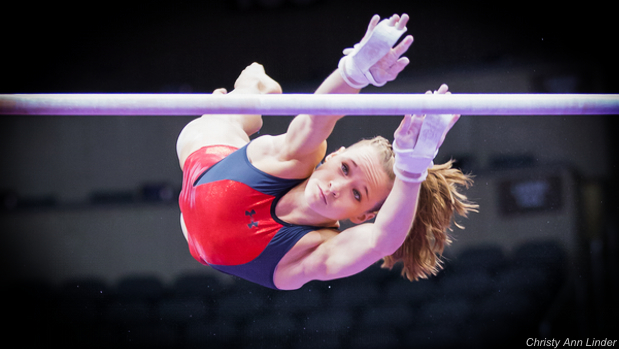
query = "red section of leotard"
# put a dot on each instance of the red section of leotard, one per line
(228, 223)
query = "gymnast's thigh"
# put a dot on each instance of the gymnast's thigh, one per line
(209, 130)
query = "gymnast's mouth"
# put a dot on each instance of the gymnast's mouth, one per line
(322, 195)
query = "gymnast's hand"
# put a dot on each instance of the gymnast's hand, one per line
(417, 140)
(388, 68)
(374, 59)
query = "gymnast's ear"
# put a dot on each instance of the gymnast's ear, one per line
(363, 217)
(339, 151)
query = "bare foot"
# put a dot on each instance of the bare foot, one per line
(254, 80)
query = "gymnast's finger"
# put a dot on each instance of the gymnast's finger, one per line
(404, 125)
(442, 90)
(403, 46)
(452, 122)
(394, 20)
(402, 23)
(398, 66)
(373, 24)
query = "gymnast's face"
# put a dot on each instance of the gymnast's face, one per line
(348, 185)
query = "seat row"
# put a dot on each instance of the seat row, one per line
(480, 298)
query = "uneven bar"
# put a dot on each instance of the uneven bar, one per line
(292, 104)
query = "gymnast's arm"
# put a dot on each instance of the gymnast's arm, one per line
(308, 133)
(351, 251)
(305, 140)
(355, 249)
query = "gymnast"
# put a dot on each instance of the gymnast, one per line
(268, 210)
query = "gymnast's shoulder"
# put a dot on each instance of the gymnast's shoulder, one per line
(269, 154)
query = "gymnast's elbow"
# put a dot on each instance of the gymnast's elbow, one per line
(385, 242)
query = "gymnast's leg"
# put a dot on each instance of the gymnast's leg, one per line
(231, 130)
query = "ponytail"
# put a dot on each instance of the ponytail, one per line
(439, 201)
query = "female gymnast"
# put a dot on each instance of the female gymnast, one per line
(268, 210)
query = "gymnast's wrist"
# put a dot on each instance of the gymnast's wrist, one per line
(410, 177)
(410, 165)
(351, 74)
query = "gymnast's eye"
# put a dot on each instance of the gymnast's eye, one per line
(356, 194)
(345, 169)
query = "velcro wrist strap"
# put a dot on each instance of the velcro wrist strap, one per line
(403, 176)
(370, 78)
(351, 74)
(408, 161)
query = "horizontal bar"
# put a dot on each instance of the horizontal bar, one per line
(292, 104)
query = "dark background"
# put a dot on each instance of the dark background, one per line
(164, 46)
(60, 210)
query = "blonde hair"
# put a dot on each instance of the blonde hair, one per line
(384, 150)
(440, 199)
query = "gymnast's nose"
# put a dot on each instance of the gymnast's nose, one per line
(334, 188)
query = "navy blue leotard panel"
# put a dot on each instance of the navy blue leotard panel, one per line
(229, 210)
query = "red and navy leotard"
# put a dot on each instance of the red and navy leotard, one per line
(228, 207)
